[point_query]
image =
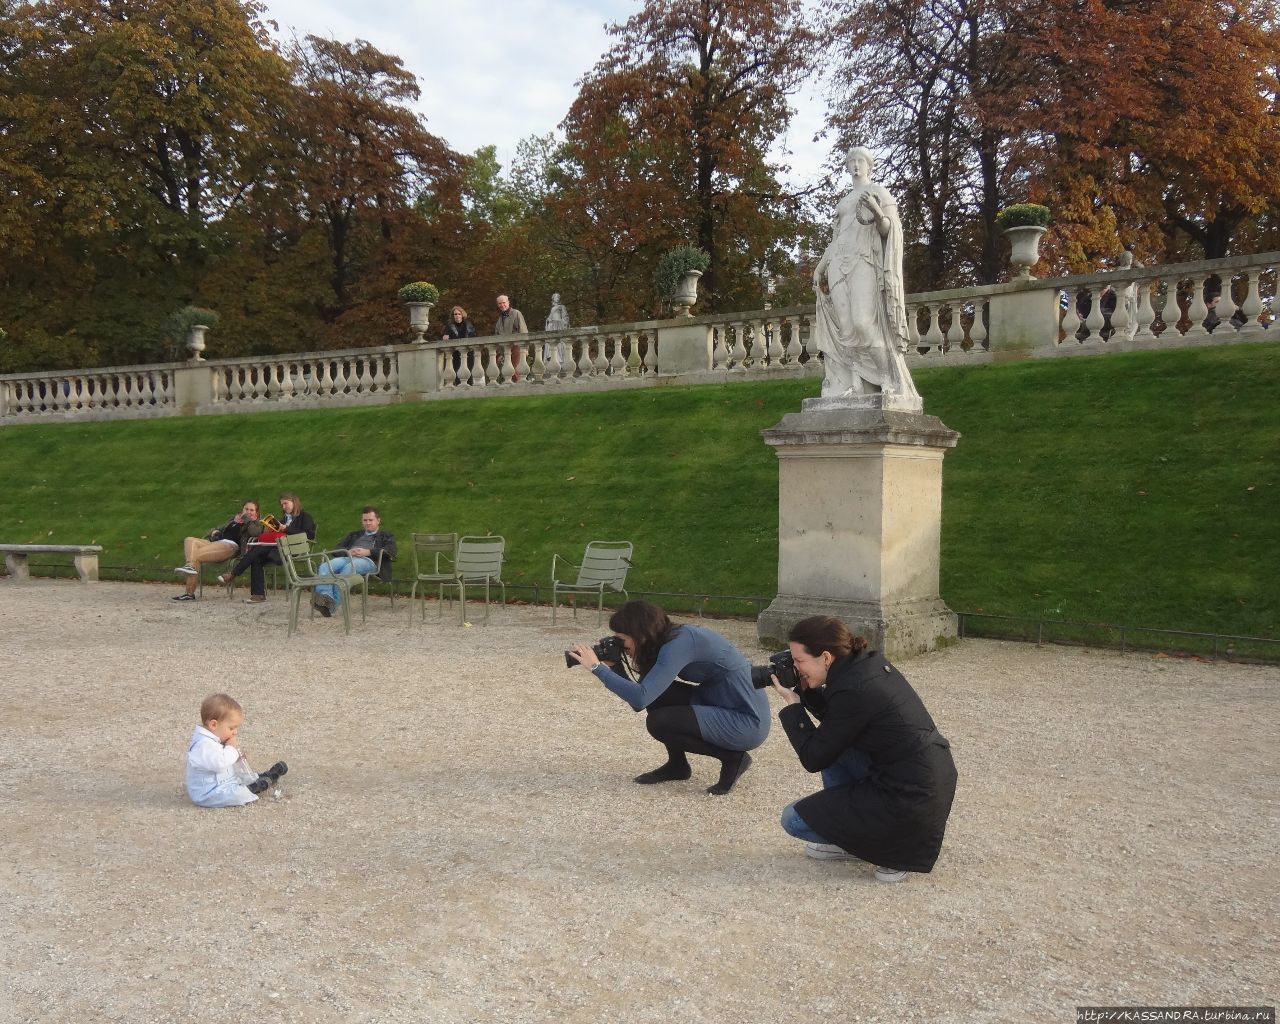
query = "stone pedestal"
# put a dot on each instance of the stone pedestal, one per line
(859, 524)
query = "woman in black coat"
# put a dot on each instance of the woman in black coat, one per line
(458, 327)
(888, 774)
(257, 558)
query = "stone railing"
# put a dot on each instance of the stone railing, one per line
(118, 392)
(1153, 307)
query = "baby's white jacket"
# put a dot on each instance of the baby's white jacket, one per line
(216, 773)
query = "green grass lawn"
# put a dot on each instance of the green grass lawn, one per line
(1140, 488)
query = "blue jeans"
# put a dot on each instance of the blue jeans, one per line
(852, 766)
(342, 566)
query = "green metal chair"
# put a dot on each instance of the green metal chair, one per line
(604, 567)
(301, 574)
(431, 552)
(480, 561)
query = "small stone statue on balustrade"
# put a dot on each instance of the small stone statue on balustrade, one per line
(861, 324)
(557, 320)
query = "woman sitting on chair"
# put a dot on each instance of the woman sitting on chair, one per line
(259, 556)
(228, 540)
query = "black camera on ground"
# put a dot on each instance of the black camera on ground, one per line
(608, 648)
(782, 665)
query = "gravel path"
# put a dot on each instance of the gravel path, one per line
(459, 839)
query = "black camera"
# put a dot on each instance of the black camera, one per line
(608, 648)
(781, 665)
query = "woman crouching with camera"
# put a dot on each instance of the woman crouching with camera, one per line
(888, 774)
(711, 709)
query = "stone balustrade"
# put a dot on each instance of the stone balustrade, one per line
(1154, 307)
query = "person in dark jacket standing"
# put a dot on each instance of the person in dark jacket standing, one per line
(888, 774)
(258, 558)
(458, 327)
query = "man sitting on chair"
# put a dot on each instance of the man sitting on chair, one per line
(362, 548)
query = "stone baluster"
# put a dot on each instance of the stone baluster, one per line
(633, 356)
(719, 350)
(913, 329)
(554, 364)
(648, 354)
(773, 338)
(1095, 321)
(1146, 312)
(288, 389)
(617, 365)
(738, 353)
(583, 363)
(787, 330)
(324, 381)
(1120, 317)
(1197, 311)
(954, 332)
(1070, 319)
(978, 329)
(1252, 305)
(1226, 310)
(600, 364)
(538, 368)
(932, 340)
(522, 364)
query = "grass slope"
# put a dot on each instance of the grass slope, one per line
(1138, 488)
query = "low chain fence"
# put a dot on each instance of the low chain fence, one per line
(985, 625)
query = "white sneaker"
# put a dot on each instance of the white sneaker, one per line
(187, 570)
(826, 851)
(890, 875)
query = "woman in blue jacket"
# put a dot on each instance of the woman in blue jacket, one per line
(695, 686)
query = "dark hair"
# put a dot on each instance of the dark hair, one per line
(820, 633)
(646, 624)
(370, 508)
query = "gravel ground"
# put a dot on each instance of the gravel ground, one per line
(459, 838)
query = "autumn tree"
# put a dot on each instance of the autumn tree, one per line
(1164, 116)
(130, 130)
(668, 140)
(364, 156)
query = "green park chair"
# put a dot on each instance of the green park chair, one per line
(301, 570)
(604, 567)
(361, 579)
(434, 563)
(479, 560)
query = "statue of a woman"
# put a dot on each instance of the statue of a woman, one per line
(861, 325)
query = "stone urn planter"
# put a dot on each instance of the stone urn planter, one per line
(1024, 244)
(685, 296)
(195, 341)
(419, 315)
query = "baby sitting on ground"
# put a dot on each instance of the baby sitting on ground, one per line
(217, 773)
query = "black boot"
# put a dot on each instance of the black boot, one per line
(731, 770)
(676, 769)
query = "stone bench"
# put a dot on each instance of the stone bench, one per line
(84, 555)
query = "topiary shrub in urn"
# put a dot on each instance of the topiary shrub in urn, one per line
(676, 277)
(419, 296)
(188, 326)
(1024, 224)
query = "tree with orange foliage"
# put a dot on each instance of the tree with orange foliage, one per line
(668, 138)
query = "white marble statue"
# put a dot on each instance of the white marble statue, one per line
(558, 318)
(861, 324)
(1127, 262)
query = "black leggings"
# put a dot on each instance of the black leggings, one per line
(256, 561)
(672, 722)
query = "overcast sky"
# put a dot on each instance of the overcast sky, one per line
(495, 71)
